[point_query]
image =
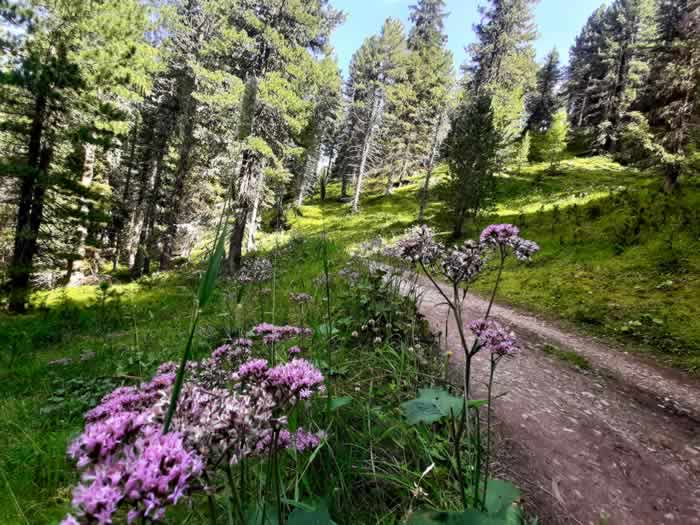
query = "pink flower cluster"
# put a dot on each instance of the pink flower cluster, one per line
(494, 338)
(464, 264)
(126, 460)
(272, 333)
(508, 236)
(229, 407)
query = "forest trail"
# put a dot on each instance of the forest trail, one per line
(618, 444)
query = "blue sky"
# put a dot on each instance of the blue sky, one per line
(558, 21)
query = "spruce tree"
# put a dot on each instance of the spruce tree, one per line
(66, 77)
(543, 103)
(431, 78)
(472, 149)
(672, 100)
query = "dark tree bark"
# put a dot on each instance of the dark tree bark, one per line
(30, 210)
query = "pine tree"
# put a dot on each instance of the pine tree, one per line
(65, 76)
(608, 69)
(502, 65)
(543, 103)
(431, 78)
(672, 100)
(523, 152)
(472, 148)
(504, 34)
(553, 140)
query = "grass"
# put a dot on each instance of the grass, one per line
(373, 458)
(572, 358)
(619, 258)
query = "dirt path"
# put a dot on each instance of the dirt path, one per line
(618, 445)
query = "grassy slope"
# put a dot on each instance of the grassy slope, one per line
(580, 275)
(594, 269)
(375, 460)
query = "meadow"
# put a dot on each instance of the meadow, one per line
(620, 262)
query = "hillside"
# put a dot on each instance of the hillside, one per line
(619, 257)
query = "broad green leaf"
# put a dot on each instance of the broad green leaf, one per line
(500, 496)
(338, 402)
(326, 330)
(434, 404)
(298, 504)
(305, 517)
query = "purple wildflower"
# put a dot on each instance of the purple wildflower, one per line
(293, 351)
(524, 249)
(494, 338)
(418, 246)
(463, 265)
(499, 234)
(253, 369)
(298, 378)
(303, 440)
(273, 333)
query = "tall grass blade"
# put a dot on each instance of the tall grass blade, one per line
(206, 289)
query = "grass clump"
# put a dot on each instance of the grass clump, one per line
(572, 358)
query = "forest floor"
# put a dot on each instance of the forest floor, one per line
(595, 434)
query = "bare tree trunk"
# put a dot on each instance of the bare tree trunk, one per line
(123, 212)
(29, 211)
(429, 172)
(253, 222)
(402, 173)
(366, 147)
(146, 218)
(82, 230)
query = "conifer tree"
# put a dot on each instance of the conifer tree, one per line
(543, 103)
(608, 69)
(65, 76)
(431, 77)
(672, 100)
(472, 148)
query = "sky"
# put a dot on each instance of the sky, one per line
(558, 21)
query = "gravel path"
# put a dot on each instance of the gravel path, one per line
(617, 445)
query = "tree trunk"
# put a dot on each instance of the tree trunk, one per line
(82, 229)
(178, 194)
(402, 173)
(671, 174)
(236, 242)
(29, 211)
(458, 229)
(253, 222)
(141, 262)
(122, 211)
(429, 172)
(366, 147)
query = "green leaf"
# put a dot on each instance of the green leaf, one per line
(338, 402)
(469, 517)
(208, 282)
(305, 517)
(433, 404)
(500, 496)
(326, 330)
